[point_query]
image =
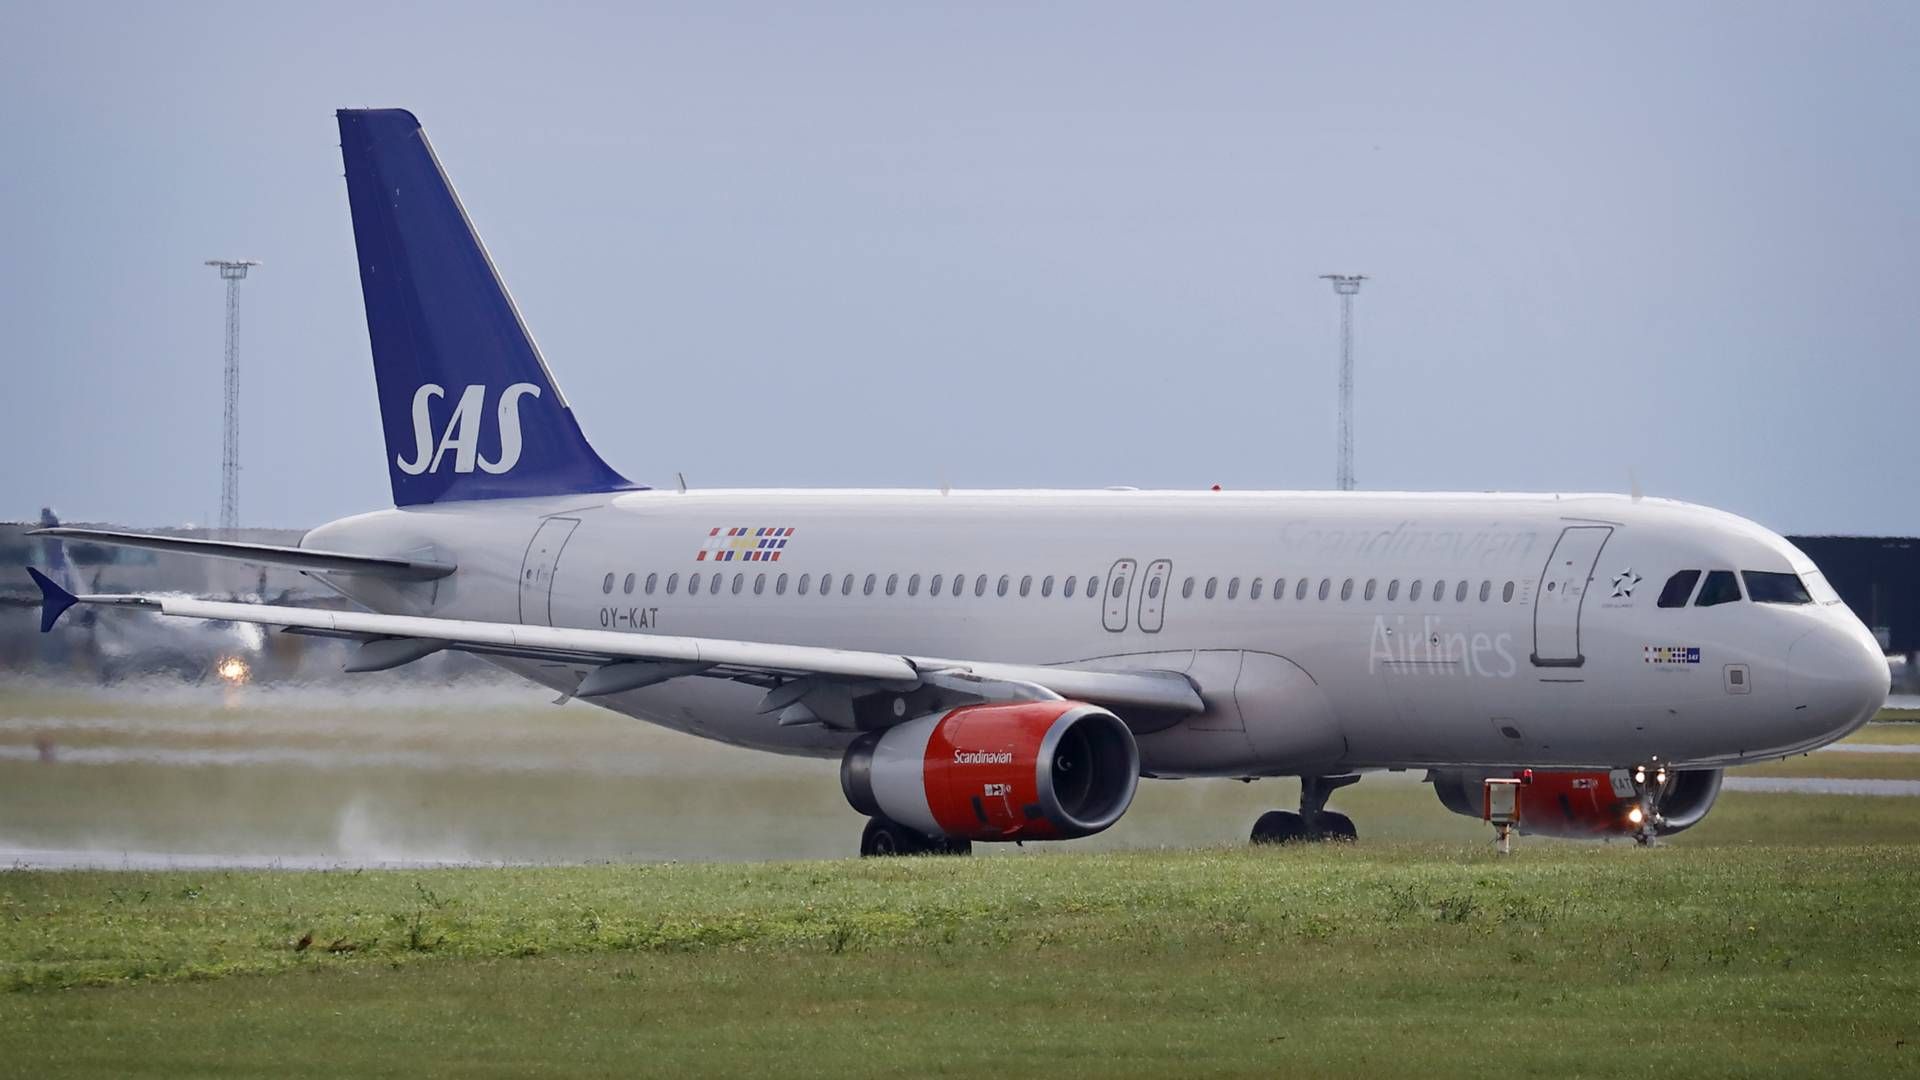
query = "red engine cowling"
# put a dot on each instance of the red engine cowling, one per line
(1583, 805)
(1030, 770)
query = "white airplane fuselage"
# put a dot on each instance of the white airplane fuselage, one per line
(1297, 615)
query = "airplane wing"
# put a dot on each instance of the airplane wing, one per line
(806, 684)
(265, 554)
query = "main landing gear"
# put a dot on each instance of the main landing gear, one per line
(1314, 822)
(885, 837)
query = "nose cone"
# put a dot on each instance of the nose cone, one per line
(1837, 672)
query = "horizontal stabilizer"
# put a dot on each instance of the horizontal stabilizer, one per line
(337, 562)
(54, 600)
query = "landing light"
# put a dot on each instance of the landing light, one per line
(1635, 816)
(233, 670)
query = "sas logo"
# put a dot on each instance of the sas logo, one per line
(996, 791)
(462, 433)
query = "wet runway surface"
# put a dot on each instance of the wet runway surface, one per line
(404, 775)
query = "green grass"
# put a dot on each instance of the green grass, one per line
(1839, 766)
(1906, 716)
(1899, 733)
(1440, 959)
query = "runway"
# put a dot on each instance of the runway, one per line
(405, 776)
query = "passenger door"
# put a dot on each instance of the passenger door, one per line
(537, 569)
(1562, 592)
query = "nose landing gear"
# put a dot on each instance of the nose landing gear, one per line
(1649, 782)
(1314, 822)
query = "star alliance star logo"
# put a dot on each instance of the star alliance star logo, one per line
(1623, 583)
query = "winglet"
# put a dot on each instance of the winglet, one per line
(54, 600)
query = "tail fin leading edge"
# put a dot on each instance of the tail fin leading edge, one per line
(468, 406)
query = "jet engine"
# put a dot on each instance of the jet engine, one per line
(1584, 805)
(1029, 770)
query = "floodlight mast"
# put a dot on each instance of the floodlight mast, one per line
(233, 272)
(1345, 286)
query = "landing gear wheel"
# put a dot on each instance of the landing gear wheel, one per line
(1279, 827)
(884, 838)
(1335, 826)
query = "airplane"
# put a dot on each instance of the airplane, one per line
(120, 648)
(1007, 665)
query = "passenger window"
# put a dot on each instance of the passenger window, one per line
(804, 579)
(1300, 590)
(1118, 586)
(693, 584)
(1460, 592)
(1766, 587)
(1721, 588)
(780, 585)
(1233, 589)
(1213, 586)
(1026, 584)
(959, 582)
(759, 584)
(1439, 593)
(980, 585)
(607, 585)
(1678, 588)
(1279, 588)
(1093, 587)
(652, 580)
(1393, 590)
(933, 587)
(627, 587)
(673, 580)
(1413, 591)
(866, 589)
(893, 583)
(1186, 590)
(1153, 589)
(1346, 589)
(1067, 589)
(1046, 586)
(913, 585)
(1369, 593)
(1506, 594)
(738, 581)
(1001, 589)
(1326, 586)
(846, 585)
(1253, 591)
(1486, 590)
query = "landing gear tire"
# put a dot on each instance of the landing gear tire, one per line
(1336, 827)
(1279, 827)
(883, 838)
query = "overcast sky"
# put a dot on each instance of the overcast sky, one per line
(1019, 245)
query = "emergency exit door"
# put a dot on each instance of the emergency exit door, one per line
(1562, 594)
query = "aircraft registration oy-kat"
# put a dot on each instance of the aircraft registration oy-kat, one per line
(1006, 665)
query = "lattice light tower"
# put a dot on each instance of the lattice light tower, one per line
(1345, 286)
(233, 272)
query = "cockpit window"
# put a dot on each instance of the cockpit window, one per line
(1679, 588)
(1721, 588)
(1766, 587)
(1818, 585)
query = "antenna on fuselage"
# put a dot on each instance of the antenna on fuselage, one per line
(680, 479)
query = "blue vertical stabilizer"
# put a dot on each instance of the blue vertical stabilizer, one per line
(468, 406)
